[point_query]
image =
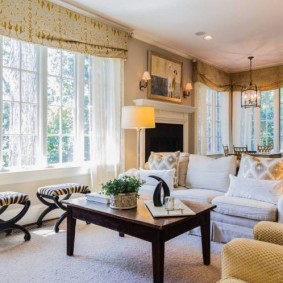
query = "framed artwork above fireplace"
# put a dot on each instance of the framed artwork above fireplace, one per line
(166, 78)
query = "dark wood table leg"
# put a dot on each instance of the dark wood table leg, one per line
(71, 229)
(205, 239)
(158, 260)
(121, 234)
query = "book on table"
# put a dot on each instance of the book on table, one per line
(180, 209)
(98, 197)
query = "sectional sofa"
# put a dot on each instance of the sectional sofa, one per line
(255, 194)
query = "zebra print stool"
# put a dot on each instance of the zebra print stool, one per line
(53, 193)
(6, 199)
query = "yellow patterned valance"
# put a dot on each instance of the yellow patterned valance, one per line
(211, 76)
(266, 79)
(45, 23)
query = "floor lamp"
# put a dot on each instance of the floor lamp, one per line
(138, 118)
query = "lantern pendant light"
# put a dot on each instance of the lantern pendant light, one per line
(250, 95)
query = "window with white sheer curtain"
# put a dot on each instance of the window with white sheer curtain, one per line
(58, 108)
(257, 126)
(212, 119)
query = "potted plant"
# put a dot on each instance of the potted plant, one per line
(123, 192)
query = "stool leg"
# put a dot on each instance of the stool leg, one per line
(46, 211)
(59, 221)
(9, 225)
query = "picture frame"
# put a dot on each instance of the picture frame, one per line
(166, 78)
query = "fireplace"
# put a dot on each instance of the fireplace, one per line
(164, 138)
(167, 114)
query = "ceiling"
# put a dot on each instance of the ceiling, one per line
(239, 28)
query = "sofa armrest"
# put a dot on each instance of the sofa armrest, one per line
(280, 209)
(270, 232)
(252, 261)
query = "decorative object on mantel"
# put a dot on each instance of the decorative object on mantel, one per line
(138, 117)
(187, 91)
(250, 96)
(166, 78)
(157, 192)
(144, 81)
(123, 192)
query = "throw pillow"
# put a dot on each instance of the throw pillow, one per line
(262, 190)
(166, 175)
(210, 173)
(165, 161)
(261, 168)
(183, 168)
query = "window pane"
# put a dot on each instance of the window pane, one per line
(67, 121)
(86, 149)
(11, 52)
(67, 149)
(68, 92)
(54, 62)
(11, 151)
(29, 119)
(29, 56)
(53, 150)
(54, 91)
(11, 84)
(11, 118)
(29, 150)
(53, 124)
(68, 64)
(29, 87)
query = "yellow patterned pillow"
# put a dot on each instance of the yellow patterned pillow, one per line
(165, 161)
(261, 168)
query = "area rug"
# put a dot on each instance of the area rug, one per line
(101, 256)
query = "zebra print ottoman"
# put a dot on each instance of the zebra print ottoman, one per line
(7, 199)
(53, 193)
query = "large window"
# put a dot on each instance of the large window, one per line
(43, 95)
(257, 126)
(267, 118)
(213, 120)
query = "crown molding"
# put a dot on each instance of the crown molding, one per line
(142, 37)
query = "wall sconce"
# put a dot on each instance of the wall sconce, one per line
(187, 91)
(143, 82)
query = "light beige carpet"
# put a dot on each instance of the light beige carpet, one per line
(101, 256)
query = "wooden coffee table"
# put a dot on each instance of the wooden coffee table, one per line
(139, 223)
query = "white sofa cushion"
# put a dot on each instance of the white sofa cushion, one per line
(210, 173)
(196, 195)
(166, 175)
(247, 208)
(263, 190)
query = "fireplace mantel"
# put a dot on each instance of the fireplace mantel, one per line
(165, 106)
(169, 113)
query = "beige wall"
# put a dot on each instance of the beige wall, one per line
(135, 65)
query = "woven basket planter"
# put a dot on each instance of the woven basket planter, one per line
(123, 201)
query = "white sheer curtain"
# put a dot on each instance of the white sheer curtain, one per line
(201, 92)
(244, 133)
(200, 96)
(107, 138)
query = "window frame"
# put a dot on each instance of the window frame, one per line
(78, 154)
